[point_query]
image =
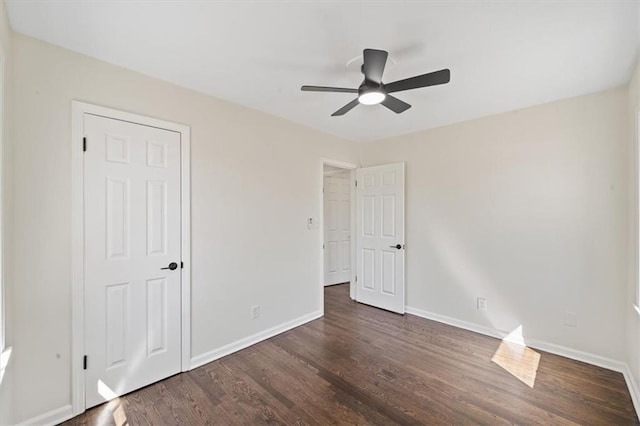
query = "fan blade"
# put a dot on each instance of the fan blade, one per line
(373, 66)
(345, 109)
(424, 80)
(395, 104)
(327, 89)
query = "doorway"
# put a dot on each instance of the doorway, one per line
(131, 256)
(337, 222)
(337, 225)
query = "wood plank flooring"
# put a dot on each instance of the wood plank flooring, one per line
(361, 365)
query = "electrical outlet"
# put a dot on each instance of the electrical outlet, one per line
(255, 312)
(482, 304)
(570, 319)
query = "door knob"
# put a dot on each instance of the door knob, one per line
(172, 266)
(397, 246)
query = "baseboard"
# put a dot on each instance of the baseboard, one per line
(207, 357)
(597, 360)
(487, 331)
(52, 417)
(634, 390)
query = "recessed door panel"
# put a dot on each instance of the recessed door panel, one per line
(117, 203)
(389, 178)
(117, 312)
(388, 217)
(368, 216)
(156, 217)
(388, 273)
(332, 215)
(157, 154)
(368, 269)
(332, 248)
(344, 214)
(345, 256)
(156, 315)
(117, 148)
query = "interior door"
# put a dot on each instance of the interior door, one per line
(132, 256)
(337, 228)
(380, 236)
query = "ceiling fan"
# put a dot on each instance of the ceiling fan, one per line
(373, 91)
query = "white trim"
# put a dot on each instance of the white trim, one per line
(339, 163)
(208, 357)
(3, 126)
(597, 360)
(352, 167)
(634, 389)
(78, 110)
(335, 172)
(185, 215)
(635, 228)
(487, 331)
(52, 417)
(354, 251)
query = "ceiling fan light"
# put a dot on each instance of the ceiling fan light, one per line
(372, 97)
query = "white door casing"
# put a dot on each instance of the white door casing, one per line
(337, 229)
(380, 231)
(132, 230)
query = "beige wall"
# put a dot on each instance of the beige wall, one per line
(255, 180)
(6, 391)
(527, 209)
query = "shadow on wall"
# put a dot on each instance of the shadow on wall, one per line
(512, 354)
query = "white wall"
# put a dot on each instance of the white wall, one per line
(527, 209)
(6, 385)
(255, 180)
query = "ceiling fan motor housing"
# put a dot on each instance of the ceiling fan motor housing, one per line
(370, 86)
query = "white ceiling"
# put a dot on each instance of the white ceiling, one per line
(502, 55)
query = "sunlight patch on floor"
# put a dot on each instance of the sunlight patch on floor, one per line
(119, 416)
(516, 358)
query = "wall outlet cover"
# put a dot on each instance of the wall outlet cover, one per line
(255, 312)
(482, 304)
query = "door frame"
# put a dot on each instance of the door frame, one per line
(78, 110)
(352, 168)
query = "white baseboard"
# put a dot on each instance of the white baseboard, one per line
(207, 357)
(52, 417)
(634, 390)
(487, 331)
(597, 360)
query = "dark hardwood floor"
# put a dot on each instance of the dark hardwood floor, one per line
(361, 365)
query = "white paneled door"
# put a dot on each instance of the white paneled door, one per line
(337, 229)
(380, 236)
(132, 256)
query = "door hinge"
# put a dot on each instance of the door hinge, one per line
(84, 362)
(84, 144)
(356, 184)
(323, 247)
(356, 278)
(181, 265)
